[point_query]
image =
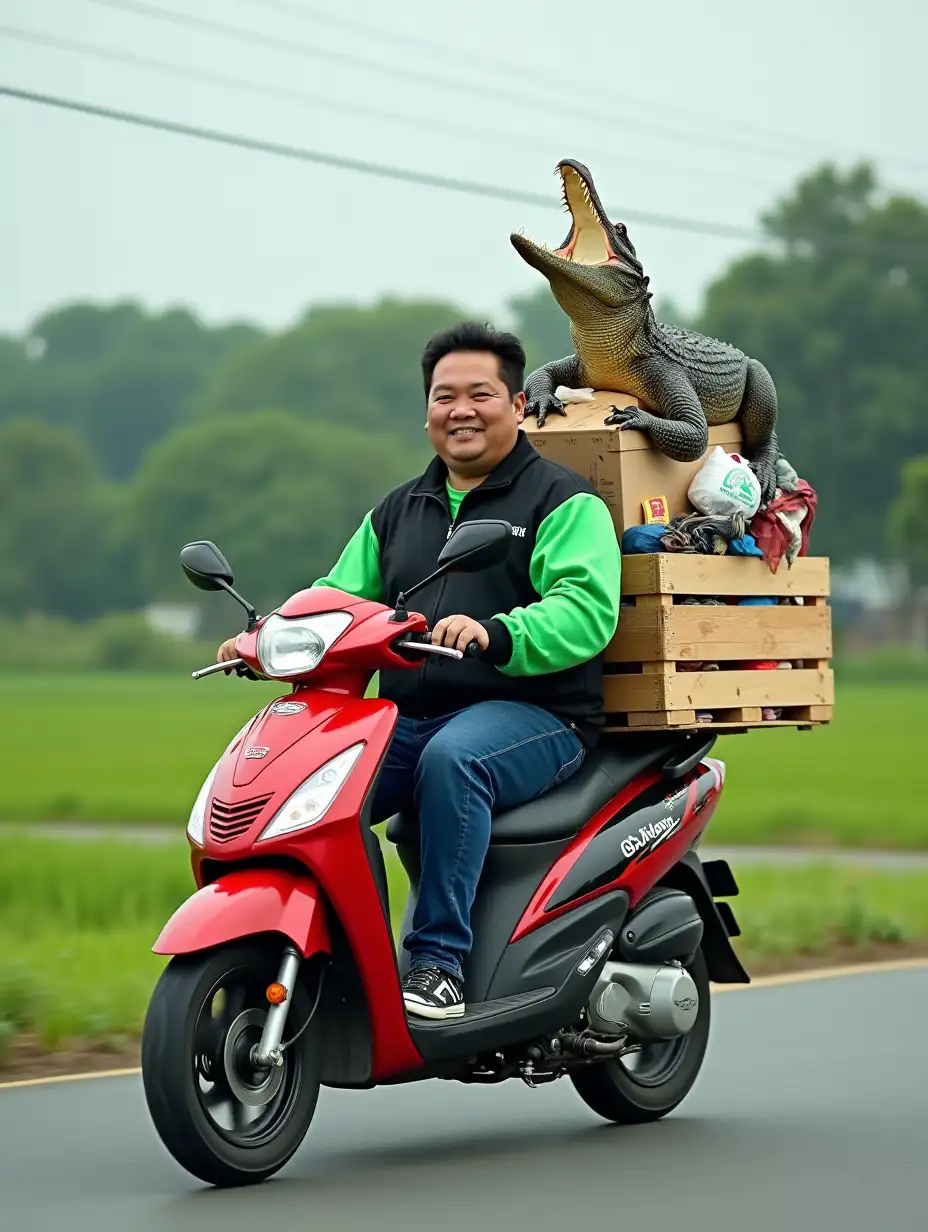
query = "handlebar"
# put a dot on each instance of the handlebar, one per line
(423, 642)
(412, 641)
(240, 667)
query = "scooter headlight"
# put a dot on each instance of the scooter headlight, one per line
(196, 824)
(293, 647)
(312, 800)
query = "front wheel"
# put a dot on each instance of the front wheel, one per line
(225, 1121)
(646, 1085)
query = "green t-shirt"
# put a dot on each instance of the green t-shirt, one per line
(455, 496)
(575, 567)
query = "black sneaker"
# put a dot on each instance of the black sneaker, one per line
(430, 992)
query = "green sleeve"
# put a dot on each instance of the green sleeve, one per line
(357, 570)
(576, 568)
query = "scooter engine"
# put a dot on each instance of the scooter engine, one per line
(650, 1002)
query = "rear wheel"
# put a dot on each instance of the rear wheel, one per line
(224, 1120)
(646, 1085)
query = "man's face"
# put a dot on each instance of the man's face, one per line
(472, 420)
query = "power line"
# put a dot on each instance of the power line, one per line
(383, 170)
(303, 98)
(449, 183)
(383, 67)
(314, 15)
(291, 46)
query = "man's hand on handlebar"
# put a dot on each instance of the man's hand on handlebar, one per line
(457, 632)
(226, 652)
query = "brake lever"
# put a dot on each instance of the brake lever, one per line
(421, 641)
(447, 651)
(217, 667)
(239, 666)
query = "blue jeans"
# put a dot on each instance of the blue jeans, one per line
(456, 771)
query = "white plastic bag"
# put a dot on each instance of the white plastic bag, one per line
(724, 485)
(565, 394)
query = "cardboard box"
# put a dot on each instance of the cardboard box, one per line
(623, 466)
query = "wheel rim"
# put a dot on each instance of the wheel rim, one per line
(654, 1064)
(244, 1104)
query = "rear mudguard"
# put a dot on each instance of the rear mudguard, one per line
(246, 903)
(690, 876)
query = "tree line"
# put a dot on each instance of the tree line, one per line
(124, 433)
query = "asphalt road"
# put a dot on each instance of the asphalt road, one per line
(810, 1113)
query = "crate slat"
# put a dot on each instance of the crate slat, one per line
(721, 690)
(654, 573)
(662, 720)
(701, 633)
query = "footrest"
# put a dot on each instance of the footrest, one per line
(484, 1025)
(481, 1010)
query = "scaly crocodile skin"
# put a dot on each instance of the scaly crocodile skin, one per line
(686, 380)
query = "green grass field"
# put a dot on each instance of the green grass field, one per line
(136, 749)
(77, 922)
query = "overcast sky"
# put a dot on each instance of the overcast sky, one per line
(707, 110)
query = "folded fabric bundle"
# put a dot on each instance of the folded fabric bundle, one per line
(697, 532)
(639, 539)
(782, 528)
(745, 546)
(787, 479)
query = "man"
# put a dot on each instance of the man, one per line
(486, 733)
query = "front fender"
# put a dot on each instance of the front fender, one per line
(243, 904)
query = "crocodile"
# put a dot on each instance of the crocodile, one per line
(683, 380)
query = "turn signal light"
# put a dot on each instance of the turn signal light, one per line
(276, 994)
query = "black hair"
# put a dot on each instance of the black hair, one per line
(472, 336)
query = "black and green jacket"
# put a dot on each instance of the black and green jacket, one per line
(550, 608)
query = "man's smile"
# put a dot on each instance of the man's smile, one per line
(465, 431)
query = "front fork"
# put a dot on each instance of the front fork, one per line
(268, 1051)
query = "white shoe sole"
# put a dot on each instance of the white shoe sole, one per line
(433, 1011)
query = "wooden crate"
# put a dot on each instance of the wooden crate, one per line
(647, 685)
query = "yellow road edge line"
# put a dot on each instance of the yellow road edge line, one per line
(824, 973)
(54, 1078)
(764, 981)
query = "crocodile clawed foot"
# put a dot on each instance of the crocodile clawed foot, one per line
(628, 417)
(544, 406)
(767, 478)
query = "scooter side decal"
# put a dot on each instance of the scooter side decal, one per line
(614, 850)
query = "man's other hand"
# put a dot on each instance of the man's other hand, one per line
(226, 652)
(457, 632)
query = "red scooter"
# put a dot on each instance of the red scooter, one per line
(596, 930)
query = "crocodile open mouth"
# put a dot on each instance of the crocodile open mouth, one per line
(589, 242)
(592, 243)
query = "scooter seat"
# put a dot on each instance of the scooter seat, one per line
(561, 812)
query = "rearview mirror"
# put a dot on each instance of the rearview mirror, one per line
(476, 545)
(205, 566)
(473, 546)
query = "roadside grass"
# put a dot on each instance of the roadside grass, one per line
(123, 748)
(78, 919)
(116, 747)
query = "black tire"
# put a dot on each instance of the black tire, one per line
(664, 1073)
(187, 1073)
